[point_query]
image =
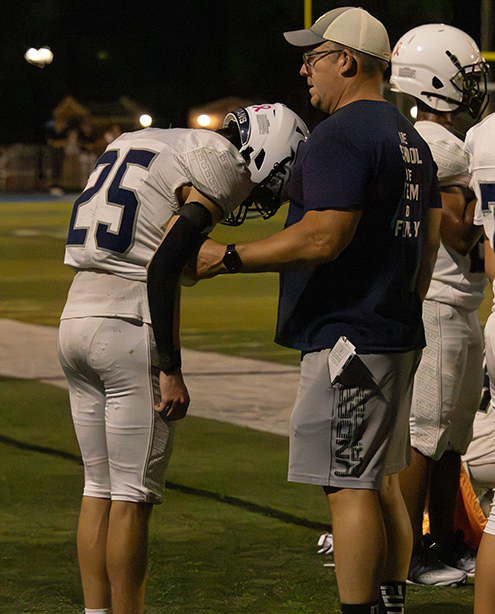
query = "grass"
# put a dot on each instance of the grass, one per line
(233, 536)
(233, 315)
(215, 543)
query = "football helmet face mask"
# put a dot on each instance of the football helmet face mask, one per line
(442, 66)
(270, 135)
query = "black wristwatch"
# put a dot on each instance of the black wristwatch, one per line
(232, 260)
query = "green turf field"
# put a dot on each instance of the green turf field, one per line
(233, 536)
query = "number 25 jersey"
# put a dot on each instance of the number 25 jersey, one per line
(120, 218)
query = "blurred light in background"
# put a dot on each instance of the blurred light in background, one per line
(39, 57)
(211, 114)
(199, 119)
(204, 120)
(414, 112)
(145, 120)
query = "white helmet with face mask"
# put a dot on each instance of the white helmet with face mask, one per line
(441, 66)
(269, 137)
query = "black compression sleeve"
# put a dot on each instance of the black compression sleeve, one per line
(198, 214)
(163, 278)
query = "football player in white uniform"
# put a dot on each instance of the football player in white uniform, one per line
(443, 69)
(481, 150)
(125, 396)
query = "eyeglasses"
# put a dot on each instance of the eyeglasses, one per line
(307, 58)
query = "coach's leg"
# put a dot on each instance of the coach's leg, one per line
(127, 554)
(91, 549)
(359, 561)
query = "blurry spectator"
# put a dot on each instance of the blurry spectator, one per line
(106, 136)
(56, 136)
(87, 155)
(71, 171)
(111, 133)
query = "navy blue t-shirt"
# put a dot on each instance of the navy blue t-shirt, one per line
(368, 157)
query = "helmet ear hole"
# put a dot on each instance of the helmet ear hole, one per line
(437, 84)
(259, 159)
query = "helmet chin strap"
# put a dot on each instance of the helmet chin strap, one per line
(440, 97)
(475, 111)
(245, 153)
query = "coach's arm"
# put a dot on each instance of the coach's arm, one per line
(319, 237)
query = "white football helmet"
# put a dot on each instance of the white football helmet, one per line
(442, 66)
(270, 135)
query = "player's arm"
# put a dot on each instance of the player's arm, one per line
(429, 255)
(457, 229)
(489, 261)
(319, 237)
(182, 237)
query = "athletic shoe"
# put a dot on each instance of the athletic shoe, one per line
(458, 554)
(426, 568)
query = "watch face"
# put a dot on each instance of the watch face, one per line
(232, 260)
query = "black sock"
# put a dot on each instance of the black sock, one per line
(393, 597)
(359, 608)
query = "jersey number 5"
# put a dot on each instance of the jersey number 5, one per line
(117, 196)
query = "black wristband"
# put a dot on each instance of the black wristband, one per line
(170, 362)
(231, 260)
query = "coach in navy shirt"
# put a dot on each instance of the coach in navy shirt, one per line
(356, 257)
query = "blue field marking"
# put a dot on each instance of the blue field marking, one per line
(37, 198)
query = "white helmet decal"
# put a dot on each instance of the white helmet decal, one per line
(442, 66)
(270, 135)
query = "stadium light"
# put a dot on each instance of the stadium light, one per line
(39, 57)
(146, 120)
(204, 120)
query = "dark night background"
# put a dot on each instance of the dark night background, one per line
(170, 56)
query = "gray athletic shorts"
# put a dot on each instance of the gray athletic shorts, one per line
(351, 437)
(447, 386)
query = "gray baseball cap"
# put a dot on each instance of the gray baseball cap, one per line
(348, 26)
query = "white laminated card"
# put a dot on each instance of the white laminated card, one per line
(339, 357)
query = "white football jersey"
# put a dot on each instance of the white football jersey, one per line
(452, 282)
(120, 218)
(479, 146)
(448, 153)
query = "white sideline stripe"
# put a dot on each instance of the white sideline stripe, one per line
(242, 391)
